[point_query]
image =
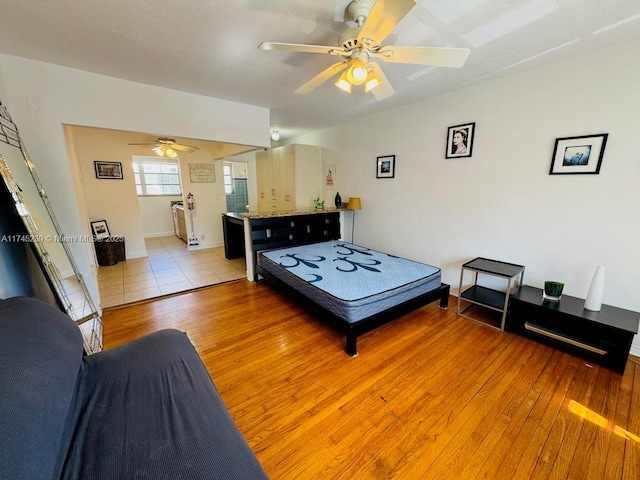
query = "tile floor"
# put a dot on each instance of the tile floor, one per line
(168, 268)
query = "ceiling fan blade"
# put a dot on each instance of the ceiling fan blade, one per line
(321, 78)
(297, 47)
(184, 148)
(383, 90)
(382, 19)
(437, 56)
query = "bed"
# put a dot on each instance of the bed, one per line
(354, 288)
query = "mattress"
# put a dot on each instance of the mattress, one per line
(351, 281)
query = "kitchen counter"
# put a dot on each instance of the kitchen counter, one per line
(288, 213)
(235, 216)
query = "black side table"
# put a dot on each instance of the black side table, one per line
(491, 298)
(110, 250)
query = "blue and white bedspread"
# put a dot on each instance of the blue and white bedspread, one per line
(351, 281)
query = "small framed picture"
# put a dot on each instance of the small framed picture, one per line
(108, 170)
(578, 155)
(329, 177)
(460, 140)
(386, 166)
(100, 229)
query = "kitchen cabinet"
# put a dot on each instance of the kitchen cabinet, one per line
(289, 177)
(180, 223)
(233, 233)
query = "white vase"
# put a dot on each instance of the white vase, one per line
(596, 289)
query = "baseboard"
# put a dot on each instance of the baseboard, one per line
(203, 245)
(635, 348)
(138, 254)
(170, 233)
(67, 273)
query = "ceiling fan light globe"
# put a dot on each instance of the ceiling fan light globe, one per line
(170, 152)
(159, 151)
(357, 72)
(275, 136)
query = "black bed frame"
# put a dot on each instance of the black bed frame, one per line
(279, 232)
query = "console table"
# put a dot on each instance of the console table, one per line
(602, 337)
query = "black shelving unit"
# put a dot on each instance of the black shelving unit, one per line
(488, 297)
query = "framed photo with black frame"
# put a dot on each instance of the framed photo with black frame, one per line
(386, 166)
(108, 170)
(100, 229)
(578, 155)
(460, 140)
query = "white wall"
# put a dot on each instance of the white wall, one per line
(157, 216)
(73, 97)
(502, 203)
(205, 220)
(112, 200)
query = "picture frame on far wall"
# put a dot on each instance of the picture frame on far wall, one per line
(108, 170)
(329, 177)
(386, 166)
(100, 229)
(460, 140)
(578, 155)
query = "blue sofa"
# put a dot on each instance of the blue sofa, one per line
(145, 410)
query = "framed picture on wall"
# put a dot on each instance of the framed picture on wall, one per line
(100, 229)
(330, 177)
(386, 166)
(108, 170)
(578, 155)
(460, 140)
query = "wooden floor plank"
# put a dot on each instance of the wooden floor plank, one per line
(501, 413)
(430, 394)
(631, 466)
(525, 421)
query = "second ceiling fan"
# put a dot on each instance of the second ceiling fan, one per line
(166, 147)
(359, 45)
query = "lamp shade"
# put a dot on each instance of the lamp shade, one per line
(343, 83)
(372, 81)
(354, 204)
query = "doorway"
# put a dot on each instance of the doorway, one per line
(236, 186)
(157, 261)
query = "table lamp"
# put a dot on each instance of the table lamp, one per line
(354, 204)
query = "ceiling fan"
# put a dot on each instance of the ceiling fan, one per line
(359, 45)
(166, 147)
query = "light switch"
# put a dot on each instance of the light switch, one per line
(33, 104)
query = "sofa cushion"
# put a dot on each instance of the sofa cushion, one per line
(148, 409)
(40, 357)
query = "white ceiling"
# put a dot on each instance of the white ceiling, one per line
(209, 47)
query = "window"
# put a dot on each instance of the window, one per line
(228, 183)
(154, 177)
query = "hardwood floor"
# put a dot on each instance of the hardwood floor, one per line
(432, 395)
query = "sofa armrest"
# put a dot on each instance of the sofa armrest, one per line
(40, 358)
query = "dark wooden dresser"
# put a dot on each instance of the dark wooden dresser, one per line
(602, 337)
